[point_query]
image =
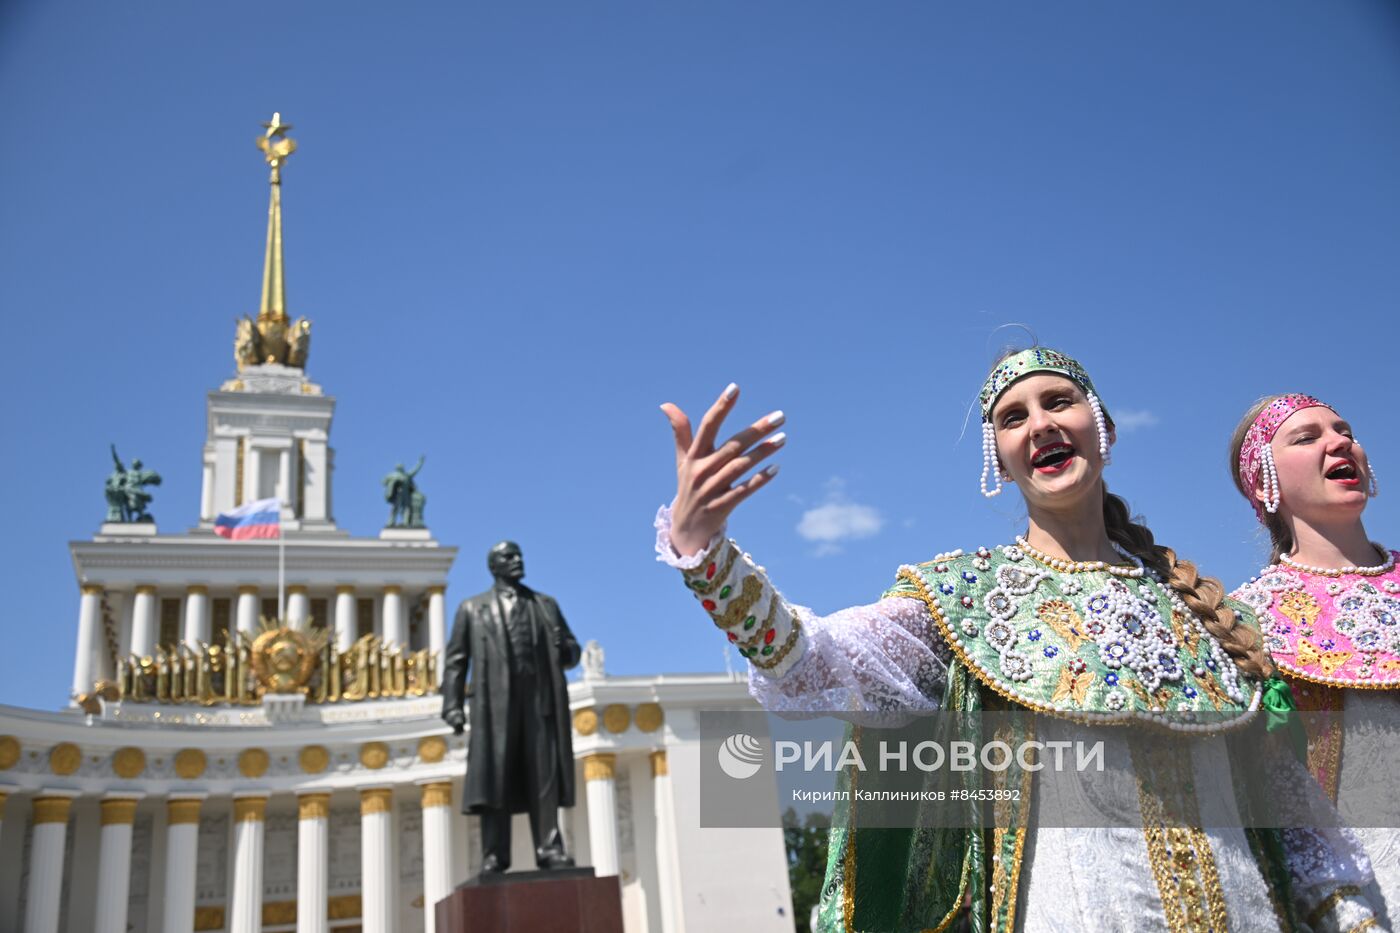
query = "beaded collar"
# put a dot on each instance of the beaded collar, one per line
(1337, 627)
(1092, 642)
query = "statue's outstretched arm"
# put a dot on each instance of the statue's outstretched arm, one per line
(117, 460)
(414, 472)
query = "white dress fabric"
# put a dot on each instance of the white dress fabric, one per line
(887, 656)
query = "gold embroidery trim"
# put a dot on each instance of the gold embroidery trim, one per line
(1187, 878)
(758, 634)
(1368, 924)
(1333, 899)
(695, 577)
(738, 608)
(782, 652)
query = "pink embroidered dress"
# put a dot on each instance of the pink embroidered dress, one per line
(1336, 637)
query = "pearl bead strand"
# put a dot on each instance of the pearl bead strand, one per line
(1372, 571)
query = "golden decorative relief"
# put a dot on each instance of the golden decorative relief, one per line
(432, 749)
(343, 907)
(374, 755)
(279, 913)
(64, 758)
(92, 589)
(437, 794)
(314, 759)
(659, 766)
(128, 762)
(185, 809)
(190, 763)
(118, 811)
(376, 800)
(252, 762)
(586, 721)
(649, 717)
(601, 766)
(51, 809)
(208, 918)
(240, 670)
(9, 752)
(249, 809)
(616, 717)
(314, 806)
(284, 658)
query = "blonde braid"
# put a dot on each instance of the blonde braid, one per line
(1204, 596)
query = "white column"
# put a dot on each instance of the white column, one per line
(196, 615)
(298, 606)
(206, 495)
(393, 616)
(313, 862)
(598, 773)
(143, 622)
(252, 472)
(245, 914)
(114, 864)
(377, 887)
(667, 870)
(247, 620)
(284, 480)
(437, 622)
(181, 857)
(89, 638)
(347, 625)
(437, 848)
(46, 863)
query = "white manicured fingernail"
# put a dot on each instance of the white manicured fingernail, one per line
(770, 471)
(775, 419)
(779, 439)
(730, 391)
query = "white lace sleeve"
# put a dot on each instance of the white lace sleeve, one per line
(1327, 865)
(858, 663)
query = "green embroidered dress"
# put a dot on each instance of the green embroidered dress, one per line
(998, 628)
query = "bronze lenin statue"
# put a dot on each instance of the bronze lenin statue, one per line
(520, 756)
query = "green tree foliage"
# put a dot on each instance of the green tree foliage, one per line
(806, 840)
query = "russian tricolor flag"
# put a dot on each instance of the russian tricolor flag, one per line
(261, 519)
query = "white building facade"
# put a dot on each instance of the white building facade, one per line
(255, 744)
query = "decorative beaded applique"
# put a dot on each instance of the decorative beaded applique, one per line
(1093, 641)
(1343, 631)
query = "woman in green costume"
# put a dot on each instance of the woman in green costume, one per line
(1084, 616)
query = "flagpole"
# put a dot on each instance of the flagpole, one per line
(281, 568)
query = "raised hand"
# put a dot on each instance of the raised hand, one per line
(709, 480)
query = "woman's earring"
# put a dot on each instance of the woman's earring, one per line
(989, 460)
(1101, 425)
(1270, 476)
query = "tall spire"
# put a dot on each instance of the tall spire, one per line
(272, 338)
(276, 147)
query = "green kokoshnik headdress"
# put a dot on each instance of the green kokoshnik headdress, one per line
(1015, 366)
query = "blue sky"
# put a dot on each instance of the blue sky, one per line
(520, 227)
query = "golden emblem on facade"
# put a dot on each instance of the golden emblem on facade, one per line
(283, 659)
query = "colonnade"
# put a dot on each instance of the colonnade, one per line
(246, 611)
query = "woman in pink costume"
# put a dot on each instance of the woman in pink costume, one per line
(1328, 602)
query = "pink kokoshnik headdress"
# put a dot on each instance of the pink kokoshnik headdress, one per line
(1257, 456)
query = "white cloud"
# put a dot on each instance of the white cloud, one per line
(837, 519)
(1130, 419)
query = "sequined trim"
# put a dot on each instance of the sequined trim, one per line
(1324, 733)
(1181, 858)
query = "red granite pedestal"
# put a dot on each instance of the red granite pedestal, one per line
(534, 902)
